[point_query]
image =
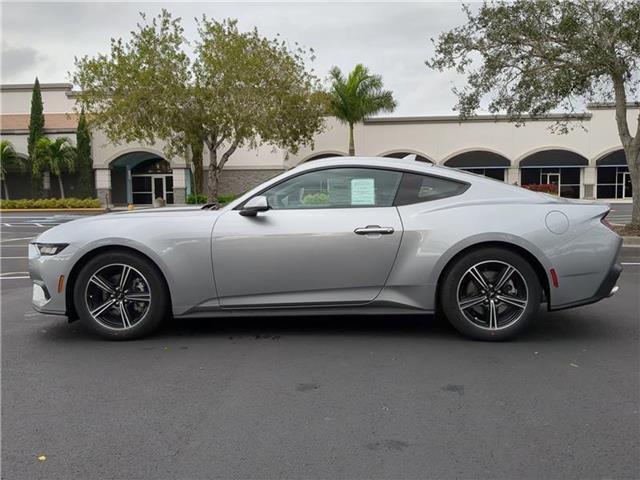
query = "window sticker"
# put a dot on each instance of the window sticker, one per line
(363, 191)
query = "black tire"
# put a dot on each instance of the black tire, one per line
(468, 305)
(143, 281)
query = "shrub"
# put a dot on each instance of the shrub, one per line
(226, 198)
(196, 199)
(51, 203)
(549, 188)
(193, 199)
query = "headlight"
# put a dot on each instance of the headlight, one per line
(50, 248)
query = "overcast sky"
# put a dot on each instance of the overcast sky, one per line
(392, 39)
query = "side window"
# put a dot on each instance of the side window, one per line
(416, 188)
(336, 188)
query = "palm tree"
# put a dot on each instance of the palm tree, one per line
(358, 96)
(9, 160)
(54, 156)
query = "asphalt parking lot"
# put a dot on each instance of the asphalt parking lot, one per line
(391, 397)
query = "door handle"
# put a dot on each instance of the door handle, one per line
(374, 229)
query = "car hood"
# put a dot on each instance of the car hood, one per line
(123, 223)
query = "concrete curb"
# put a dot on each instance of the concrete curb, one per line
(46, 210)
(631, 241)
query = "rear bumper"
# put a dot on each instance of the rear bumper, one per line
(606, 289)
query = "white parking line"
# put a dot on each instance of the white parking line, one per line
(31, 224)
(13, 273)
(16, 239)
(631, 264)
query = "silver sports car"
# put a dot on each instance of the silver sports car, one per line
(335, 236)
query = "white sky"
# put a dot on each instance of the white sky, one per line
(392, 39)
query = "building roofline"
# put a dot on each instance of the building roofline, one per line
(610, 105)
(27, 87)
(47, 131)
(476, 118)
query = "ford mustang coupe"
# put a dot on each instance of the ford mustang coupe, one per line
(335, 236)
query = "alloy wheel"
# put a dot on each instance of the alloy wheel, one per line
(118, 296)
(492, 295)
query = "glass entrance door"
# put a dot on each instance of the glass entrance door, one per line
(550, 178)
(146, 188)
(626, 185)
(158, 187)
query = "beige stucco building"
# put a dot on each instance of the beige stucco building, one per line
(588, 162)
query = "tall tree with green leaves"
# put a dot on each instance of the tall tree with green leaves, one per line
(530, 57)
(84, 163)
(240, 89)
(359, 95)
(54, 157)
(9, 160)
(36, 132)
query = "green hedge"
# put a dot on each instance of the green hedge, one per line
(51, 203)
(193, 199)
(202, 199)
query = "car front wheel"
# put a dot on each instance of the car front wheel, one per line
(120, 296)
(490, 294)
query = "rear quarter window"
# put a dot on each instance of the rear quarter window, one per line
(416, 188)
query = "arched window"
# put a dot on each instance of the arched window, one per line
(482, 162)
(152, 166)
(562, 168)
(140, 178)
(613, 178)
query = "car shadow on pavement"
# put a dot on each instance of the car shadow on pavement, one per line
(553, 327)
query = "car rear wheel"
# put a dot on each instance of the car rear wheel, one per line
(120, 296)
(490, 294)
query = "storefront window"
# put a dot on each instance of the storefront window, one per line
(567, 179)
(495, 173)
(613, 182)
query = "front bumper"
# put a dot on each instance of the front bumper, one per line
(45, 272)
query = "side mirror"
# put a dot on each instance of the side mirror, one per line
(255, 205)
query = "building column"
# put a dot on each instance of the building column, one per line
(179, 186)
(103, 186)
(513, 175)
(589, 183)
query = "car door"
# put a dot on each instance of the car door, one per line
(330, 237)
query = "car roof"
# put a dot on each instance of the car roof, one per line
(483, 186)
(408, 164)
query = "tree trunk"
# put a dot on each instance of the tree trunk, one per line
(630, 144)
(197, 151)
(213, 177)
(61, 186)
(46, 184)
(352, 147)
(633, 161)
(6, 189)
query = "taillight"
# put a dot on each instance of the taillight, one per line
(605, 222)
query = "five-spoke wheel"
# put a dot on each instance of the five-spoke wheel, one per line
(120, 295)
(490, 293)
